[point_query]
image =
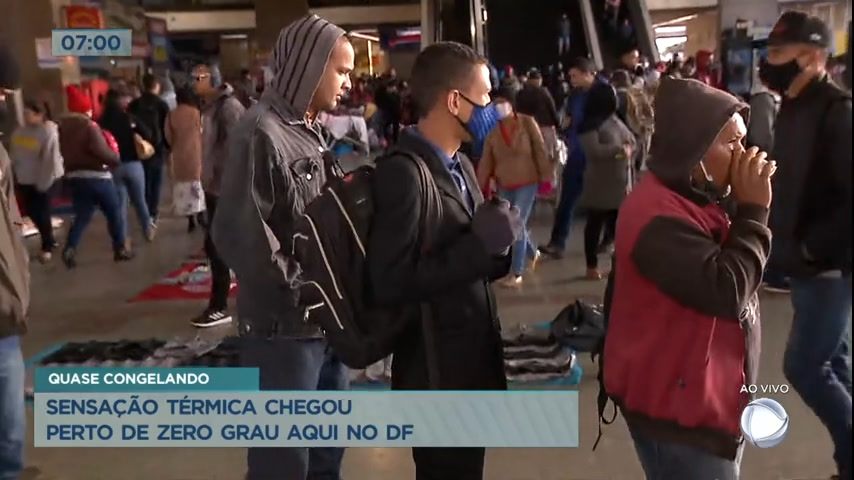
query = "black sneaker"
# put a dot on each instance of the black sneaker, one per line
(123, 255)
(68, 258)
(211, 318)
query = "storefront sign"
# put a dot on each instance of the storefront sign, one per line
(78, 16)
(159, 40)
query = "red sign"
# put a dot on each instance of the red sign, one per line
(77, 16)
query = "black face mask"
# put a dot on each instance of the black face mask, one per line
(778, 78)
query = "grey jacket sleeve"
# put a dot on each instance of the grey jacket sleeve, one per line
(248, 227)
(760, 126)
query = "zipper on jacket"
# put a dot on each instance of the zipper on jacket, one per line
(326, 302)
(349, 221)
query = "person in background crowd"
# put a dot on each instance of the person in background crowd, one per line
(515, 156)
(811, 220)
(535, 101)
(260, 203)
(631, 62)
(564, 35)
(705, 71)
(129, 176)
(37, 164)
(450, 85)
(634, 108)
(88, 159)
(220, 114)
(609, 147)
(687, 269)
(167, 93)
(184, 135)
(150, 112)
(244, 88)
(390, 104)
(582, 76)
(511, 81)
(14, 298)
(688, 68)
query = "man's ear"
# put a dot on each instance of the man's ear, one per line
(453, 101)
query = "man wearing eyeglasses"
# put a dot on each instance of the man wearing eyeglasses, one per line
(220, 113)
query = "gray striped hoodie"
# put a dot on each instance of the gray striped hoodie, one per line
(275, 168)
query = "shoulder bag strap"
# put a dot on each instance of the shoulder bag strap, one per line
(431, 216)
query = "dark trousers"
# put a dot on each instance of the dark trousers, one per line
(153, 168)
(294, 364)
(817, 361)
(37, 206)
(87, 194)
(572, 180)
(220, 273)
(598, 222)
(448, 463)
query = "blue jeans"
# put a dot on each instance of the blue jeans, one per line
(817, 358)
(153, 169)
(86, 195)
(522, 198)
(572, 181)
(13, 421)
(670, 461)
(130, 186)
(294, 364)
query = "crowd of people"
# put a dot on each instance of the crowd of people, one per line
(653, 180)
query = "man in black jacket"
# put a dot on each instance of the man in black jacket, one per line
(439, 273)
(151, 110)
(811, 220)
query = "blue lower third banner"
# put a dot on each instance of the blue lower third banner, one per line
(148, 414)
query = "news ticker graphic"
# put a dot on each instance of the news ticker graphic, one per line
(223, 407)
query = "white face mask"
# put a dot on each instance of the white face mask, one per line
(504, 110)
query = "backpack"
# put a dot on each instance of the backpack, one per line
(330, 245)
(579, 326)
(639, 111)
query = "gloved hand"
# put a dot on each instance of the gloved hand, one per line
(497, 225)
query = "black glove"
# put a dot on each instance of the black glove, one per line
(497, 225)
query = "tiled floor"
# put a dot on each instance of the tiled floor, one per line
(91, 302)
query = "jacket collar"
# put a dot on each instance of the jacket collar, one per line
(413, 142)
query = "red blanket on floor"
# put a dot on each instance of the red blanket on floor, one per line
(190, 282)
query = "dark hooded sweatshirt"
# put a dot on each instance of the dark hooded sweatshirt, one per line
(683, 329)
(275, 169)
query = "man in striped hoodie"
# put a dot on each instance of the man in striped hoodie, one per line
(275, 168)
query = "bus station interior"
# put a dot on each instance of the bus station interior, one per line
(92, 300)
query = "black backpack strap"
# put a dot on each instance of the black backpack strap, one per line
(431, 216)
(602, 397)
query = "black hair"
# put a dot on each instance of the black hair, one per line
(186, 96)
(244, 72)
(113, 99)
(36, 106)
(441, 67)
(584, 65)
(149, 81)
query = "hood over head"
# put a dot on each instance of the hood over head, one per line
(682, 137)
(300, 57)
(601, 103)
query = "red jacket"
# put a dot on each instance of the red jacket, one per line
(665, 361)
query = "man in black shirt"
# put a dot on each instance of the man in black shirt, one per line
(811, 220)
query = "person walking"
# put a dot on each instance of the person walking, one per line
(184, 134)
(38, 166)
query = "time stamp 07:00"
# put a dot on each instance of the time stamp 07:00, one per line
(78, 42)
